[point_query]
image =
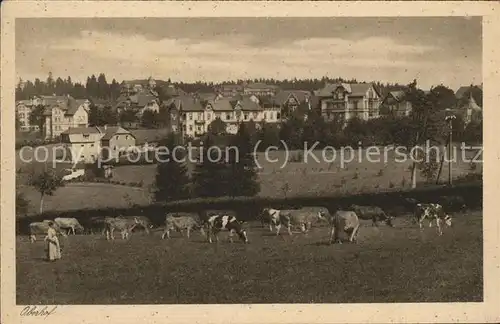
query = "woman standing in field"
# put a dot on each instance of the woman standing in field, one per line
(53, 247)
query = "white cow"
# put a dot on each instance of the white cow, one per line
(69, 224)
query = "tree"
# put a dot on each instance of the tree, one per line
(108, 116)
(22, 204)
(217, 127)
(149, 119)
(46, 183)
(128, 116)
(102, 87)
(36, 117)
(268, 135)
(171, 174)
(242, 162)
(211, 176)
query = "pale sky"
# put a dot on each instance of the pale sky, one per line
(433, 50)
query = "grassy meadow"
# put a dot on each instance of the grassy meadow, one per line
(277, 179)
(400, 264)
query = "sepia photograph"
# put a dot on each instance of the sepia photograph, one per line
(246, 160)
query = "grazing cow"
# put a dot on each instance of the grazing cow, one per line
(344, 222)
(272, 217)
(452, 203)
(69, 224)
(374, 213)
(302, 218)
(124, 224)
(431, 212)
(41, 228)
(180, 222)
(205, 214)
(218, 223)
(144, 221)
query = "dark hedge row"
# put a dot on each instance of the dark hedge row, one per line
(248, 208)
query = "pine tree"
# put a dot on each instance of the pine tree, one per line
(171, 175)
(242, 165)
(211, 177)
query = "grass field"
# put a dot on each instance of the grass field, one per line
(298, 178)
(86, 196)
(401, 264)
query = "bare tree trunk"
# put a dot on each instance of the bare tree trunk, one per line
(414, 175)
(440, 169)
(41, 203)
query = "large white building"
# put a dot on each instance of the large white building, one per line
(62, 113)
(193, 116)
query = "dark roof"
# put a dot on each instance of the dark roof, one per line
(186, 103)
(353, 89)
(282, 96)
(148, 135)
(110, 131)
(82, 130)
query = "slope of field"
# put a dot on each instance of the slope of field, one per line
(86, 196)
(401, 264)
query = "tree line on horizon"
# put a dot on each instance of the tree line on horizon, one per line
(99, 88)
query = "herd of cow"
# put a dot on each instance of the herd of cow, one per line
(342, 222)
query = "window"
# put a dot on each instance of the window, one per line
(209, 116)
(190, 115)
(126, 137)
(190, 128)
(278, 115)
(228, 116)
(117, 137)
(85, 136)
(246, 116)
(91, 145)
(355, 104)
(114, 148)
(82, 145)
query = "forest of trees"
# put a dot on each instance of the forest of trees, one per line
(99, 87)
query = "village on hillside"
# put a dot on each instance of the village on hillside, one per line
(143, 111)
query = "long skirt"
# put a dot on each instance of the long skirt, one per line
(53, 250)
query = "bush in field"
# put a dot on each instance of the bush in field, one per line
(171, 176)
(211, 176)
(242, 164)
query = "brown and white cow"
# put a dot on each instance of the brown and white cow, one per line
(123, 224)
(344, 222)
(303, 218)
(180, 222)
(218, 223)
(432, 212)
(272, 217)
(373, 213)
(69, 224)
(41, 228)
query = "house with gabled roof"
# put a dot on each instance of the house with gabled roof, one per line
(62, 113)
(192, 116)
(290, 101)
(395, 103)
(343, 101)
(87, 144)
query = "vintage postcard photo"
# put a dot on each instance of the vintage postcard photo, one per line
(246, 157)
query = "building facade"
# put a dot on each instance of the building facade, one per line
(193, 116)
(87, 144)
(395, 104)
(344, 101)
(260, 89)
(62, 113)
